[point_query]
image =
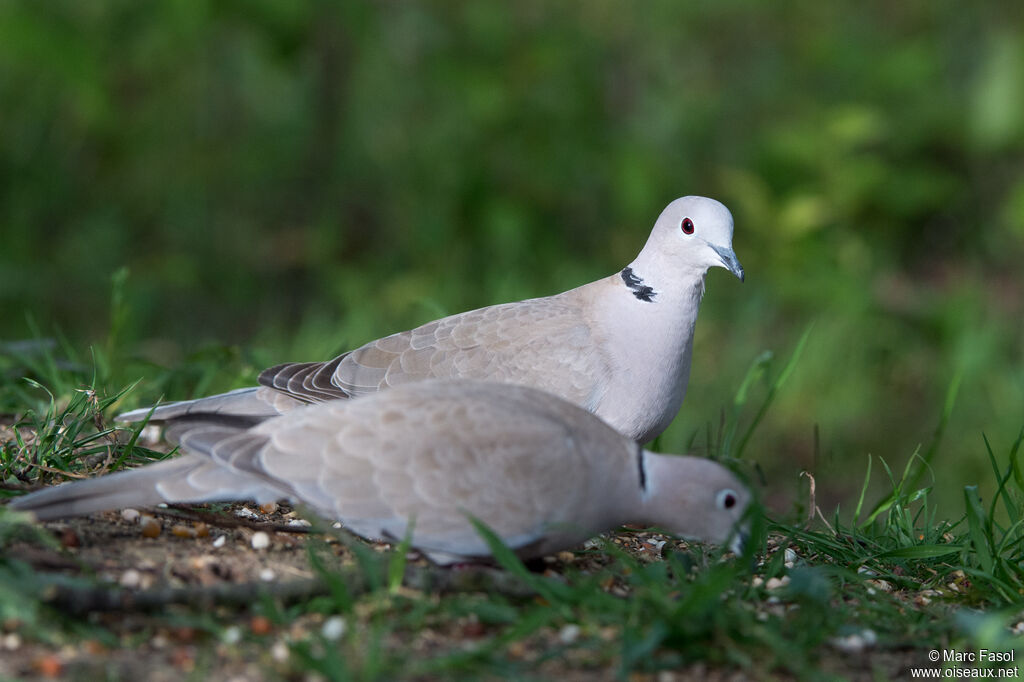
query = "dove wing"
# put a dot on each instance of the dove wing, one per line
(547, 343)
(527, 465)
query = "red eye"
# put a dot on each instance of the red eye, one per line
(687, 226)
(726, 499)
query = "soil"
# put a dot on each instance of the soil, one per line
(194, 563)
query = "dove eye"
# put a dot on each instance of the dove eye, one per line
(726, 499)
(687, 226)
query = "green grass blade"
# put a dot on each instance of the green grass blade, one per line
(773, 390)
(947, 410)
(976, 528)
(863, 492)
(920, 552)
(397, 562)
(508, 560)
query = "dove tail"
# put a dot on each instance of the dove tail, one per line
(255, 403)
(137, 487)
(191, 478)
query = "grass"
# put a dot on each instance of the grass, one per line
(888, 582)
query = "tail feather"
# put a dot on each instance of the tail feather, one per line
(191, 478)
(257, 403)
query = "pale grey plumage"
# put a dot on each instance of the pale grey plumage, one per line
(542, 473)
(620, 347)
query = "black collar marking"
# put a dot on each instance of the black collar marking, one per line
(636, 285)
(640, 465)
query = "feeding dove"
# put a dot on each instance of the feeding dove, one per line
(620, 347)
(542, 473)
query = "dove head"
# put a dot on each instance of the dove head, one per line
(691, 235)
(695, 498)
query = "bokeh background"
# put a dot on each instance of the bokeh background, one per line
(283, 180)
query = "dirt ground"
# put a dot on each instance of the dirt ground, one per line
(192, 563)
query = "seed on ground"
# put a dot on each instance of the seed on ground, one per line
(183, 531)
(150, 527)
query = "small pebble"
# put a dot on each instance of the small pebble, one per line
(268, 507)
(260, 540)
(279, 652)
(232, 635)
(201, 529)
(1018, 629)
(12, 641)
(569, 633)
(334, 627)
(48, 666)
(94, 647)
(300, 522)
(220, 540)
(246, 513)
(474, 629)
(267, 575)
(130, 515)
(855, 643)
(69, 538)
(776, 583)
(150, 527)
(182, 531)
(130, 579)
(260, 625)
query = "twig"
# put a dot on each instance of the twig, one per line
(80, 599)
(825, 521)
(192, 514)
(811, 505)
(72, 597)
(39, 558)
(21, 487)
(51, 470)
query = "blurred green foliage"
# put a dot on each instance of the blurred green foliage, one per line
(296, 178)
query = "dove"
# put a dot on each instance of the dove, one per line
(619, 347)
(424, 459)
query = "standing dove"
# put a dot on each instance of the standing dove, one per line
(433, 454)
(620, 347)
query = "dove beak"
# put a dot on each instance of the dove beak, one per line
(729, 260)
